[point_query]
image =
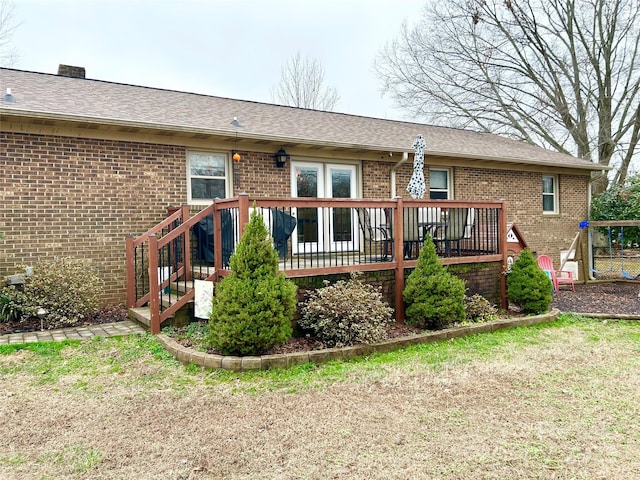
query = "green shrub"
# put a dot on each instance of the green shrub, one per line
(346, 313)
(13, 304)
(67, 288)
(478, 309)
(433, 297)
(528, 287)
(253, 307)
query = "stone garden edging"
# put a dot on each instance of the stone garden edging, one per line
(607, 316)
(187, 355)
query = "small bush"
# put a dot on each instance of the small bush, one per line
(346, 313)
(253, 307)
(478, 309)
(433, 297)
(528, 287)
(13, 305)
(66, 288)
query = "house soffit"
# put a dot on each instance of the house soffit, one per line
(39, 122)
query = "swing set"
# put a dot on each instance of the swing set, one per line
(611, 254)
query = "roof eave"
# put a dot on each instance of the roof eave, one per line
(523, 161)
(42, 115)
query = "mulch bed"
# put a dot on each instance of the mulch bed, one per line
(115, 313)
(620, 298)
(614, 298)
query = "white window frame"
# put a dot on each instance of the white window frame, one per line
(227, 176)
(324, 189)
(553, 194)
(449, 189)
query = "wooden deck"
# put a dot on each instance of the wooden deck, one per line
(315, 237)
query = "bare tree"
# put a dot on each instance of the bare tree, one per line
(563, 74)
(302, 85)
(8, 54)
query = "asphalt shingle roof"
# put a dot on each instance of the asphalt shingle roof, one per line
(40, 95)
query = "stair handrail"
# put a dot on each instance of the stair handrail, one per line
(133, 242)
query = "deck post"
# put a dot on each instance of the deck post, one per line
(217, 236)
(187, 243)
(243, 212)
(131, 271)
(502, 229)
(398, 255)
(154, 286)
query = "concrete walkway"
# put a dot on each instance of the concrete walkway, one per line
(74, 333)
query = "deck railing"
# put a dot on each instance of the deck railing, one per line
(313, 237)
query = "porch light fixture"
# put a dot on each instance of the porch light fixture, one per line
(236, 156)
(281, 158)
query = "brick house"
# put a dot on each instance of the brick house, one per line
(86, 162)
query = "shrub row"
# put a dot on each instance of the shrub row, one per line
(253, 307)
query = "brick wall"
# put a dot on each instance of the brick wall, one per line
(257, 175)
(376, 180)
(483, 278)
(80, 197)
(544, 234)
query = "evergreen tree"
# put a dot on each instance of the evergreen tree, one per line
(253, 307)
(528, 287)
(433, 297)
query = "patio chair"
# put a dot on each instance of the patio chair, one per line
(557, 276)
(430, 219)
(411, 232)
(373, 224)
(459, 226)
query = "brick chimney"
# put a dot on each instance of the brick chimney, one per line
(70, 71)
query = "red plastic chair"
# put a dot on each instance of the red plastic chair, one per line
(557, 276)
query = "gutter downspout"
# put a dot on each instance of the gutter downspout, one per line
(405, 157)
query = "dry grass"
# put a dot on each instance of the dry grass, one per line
(560, 401)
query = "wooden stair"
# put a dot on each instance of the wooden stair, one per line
(142, 315)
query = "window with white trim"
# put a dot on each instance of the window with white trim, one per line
(549, 194)
(207, 176)
(440, 184)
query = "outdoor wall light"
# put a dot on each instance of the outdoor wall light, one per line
(281, 158)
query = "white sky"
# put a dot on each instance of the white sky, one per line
(228, 48)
